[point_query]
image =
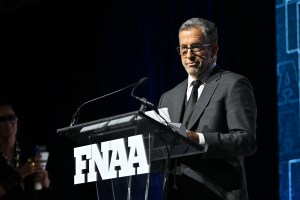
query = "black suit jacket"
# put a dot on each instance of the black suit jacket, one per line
(225, 114)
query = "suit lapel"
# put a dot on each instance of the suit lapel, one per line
(209, 89)
(179, 100)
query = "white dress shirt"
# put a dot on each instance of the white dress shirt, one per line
(203, 79)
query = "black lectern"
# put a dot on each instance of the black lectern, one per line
(129, 152)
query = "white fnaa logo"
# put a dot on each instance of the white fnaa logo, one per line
(112, 160)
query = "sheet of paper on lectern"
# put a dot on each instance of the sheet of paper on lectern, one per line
(164, 116)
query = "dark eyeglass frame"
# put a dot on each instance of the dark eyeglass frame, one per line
(12, 119)
(192, 48)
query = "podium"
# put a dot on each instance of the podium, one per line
(135, 164)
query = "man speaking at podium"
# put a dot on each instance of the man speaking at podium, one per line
(219, 110)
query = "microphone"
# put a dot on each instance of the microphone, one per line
(143, 100)
(76, 114)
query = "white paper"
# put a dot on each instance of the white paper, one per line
(164, 118)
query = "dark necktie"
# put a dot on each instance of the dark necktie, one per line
(192, 100)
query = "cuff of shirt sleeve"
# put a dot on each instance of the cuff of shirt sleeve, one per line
(201, 138)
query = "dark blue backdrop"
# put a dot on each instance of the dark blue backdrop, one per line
(56, 55)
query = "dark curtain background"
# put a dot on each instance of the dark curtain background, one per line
(55, 55)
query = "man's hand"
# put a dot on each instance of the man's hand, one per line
(193, 136)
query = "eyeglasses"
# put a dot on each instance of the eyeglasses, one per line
(195, 49)
(12, 119)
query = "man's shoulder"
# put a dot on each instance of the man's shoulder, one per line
(230, 75)
(232, 79)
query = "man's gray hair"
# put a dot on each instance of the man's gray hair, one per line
(208, 28)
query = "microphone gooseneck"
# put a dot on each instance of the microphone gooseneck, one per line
(143, 100)
(76, 114)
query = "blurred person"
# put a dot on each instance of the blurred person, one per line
(20, 166)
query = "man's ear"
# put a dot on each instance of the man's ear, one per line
(214, 50)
